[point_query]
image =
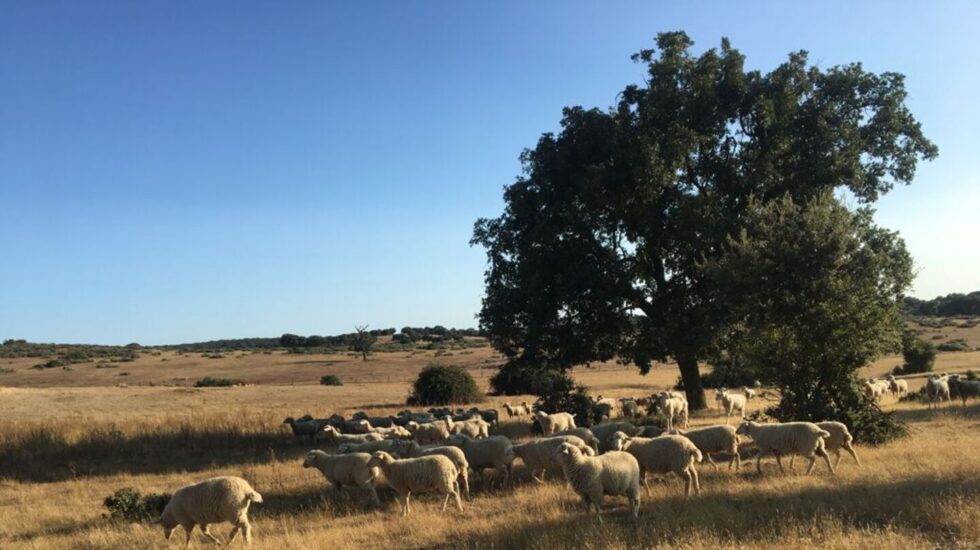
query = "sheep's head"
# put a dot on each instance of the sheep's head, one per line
(744, 427)
(359, 415)
(457, 440)
(412, 426)
(288, 420)
(379, 458)
(311, 458)
(620, 441)
(344, 448)
(567, 452)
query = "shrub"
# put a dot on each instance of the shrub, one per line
(444, 385)
(726, 372)
(330, 380)
(106, 366)
(517, 377)
(954, 345)
(971, 375)
(919, 355)
(128, 504)
(6, 370)
(209, 382)
(51, 364)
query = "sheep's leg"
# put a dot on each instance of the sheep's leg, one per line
(536, 478)
(826, 457)
(187, 531)
(779, 460)
(246, 532)
(854, 455)
(697, 482)
(758, 461)
(707, 457)
(813, 460)
(736, 460)
(206, 531)
(466, 483)
(408, 507)
(374, 495)
(459, 501)
(646, 482)
(233, 533)
(686, 475)
(445, 501)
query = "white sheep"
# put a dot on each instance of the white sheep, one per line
(555, 422)
(731, 402)
(715, 439)
(394, 432)
(591, 477)
(937, 389)
(428, 433)
(673, 407)
(749, 392)
(875, 389)
(411, 449)
(434, 473)
(541, 454)
(495, 452)
(214, 500)
(520, 410)
(604, 432)
(802, 438)
(584, 434)
(474, 427)
(840, 438)
(344, 470)
(369, 447)
(897, 387)
(663, 455)
(337, 438)
(606, 405)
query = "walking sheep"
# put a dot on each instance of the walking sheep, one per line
(937, 389)
(425, 474)
(591, 477)
(495, 452)
(897, 387)
(337, 438)
(490, 416)
(541, 454)
(672, 407)
(215, 500)
(474, 427)
(662, 455)
(411, 449)
(368, 447)
(520, 410)
(555, 422)
(345, 470)
(715, 439)
(840, 438)
(303, 428)
(428, 433)
(964, 388)
(584, 434)
(731, 402)
(802, 438)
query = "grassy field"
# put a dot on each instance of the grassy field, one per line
(70, 438)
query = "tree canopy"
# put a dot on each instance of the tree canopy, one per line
(597, 253)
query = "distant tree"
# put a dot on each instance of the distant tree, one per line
(363, 341)
(291, 341)
(815, 292)
(597, 252)
(919, 355)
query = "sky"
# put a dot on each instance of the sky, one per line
(185, 171)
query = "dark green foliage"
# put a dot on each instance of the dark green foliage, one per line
(571, 399)
(51, 364)
(598, 251)
(919, 355)
(945, 306)
(363, 341)
(954, 345)
(127, 504)
(971, 375)
(330, 380)
(515, 378)
(444, 385)
(727, 372)
(210, 382)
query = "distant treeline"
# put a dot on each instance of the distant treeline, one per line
(407, 335)
(950, 304)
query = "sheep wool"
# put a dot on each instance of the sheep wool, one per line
(495, 452)
(715, 439)
(541, 454)
(434, 473)
(662, 455)
(411, 449)
(555, 422)
(214, 500)
(345, 470)
(591, 477)
(802, 438)
(604, 432)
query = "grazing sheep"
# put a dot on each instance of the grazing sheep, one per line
(584, 434)
(490, 416)
(802, 438)
(495, 452)
(604, 432)
(591, 477)
(214, 500)
(434, 473)
(672, 407)
(428, 433)
(344, 470)
(662, 455)
(937, 389)
(337, 438)
(474, 427)
(406, 416)
(840, 438)
(555, 422)
(541, 454)
(731, 402)
(714, 439)
(411, 449)
(520, 410)
(368, 447)
(964, 388)
(303, 428)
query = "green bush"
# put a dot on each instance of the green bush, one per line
(919, 355)
(330, 380)
(209, 382)
(444, 385)
(128, 504)
(954, 345)
(518, 377)
(971, 375)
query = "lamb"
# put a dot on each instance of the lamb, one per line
(749, 392)
(964, 388)
(731, 402)
(521, 410)
(214, 500)
(495, 452)
(803, 438)
(591, 477)
(428, 433)
(303, 428)
(662, 455)
(715, 439)
(423, 474)
(584, 434)
(490, 416)
(897, 387)
(840, 438)
(338, 438)
(350, 470)
(937, 389)
(604, 432)
(672, 406)
(556, 422)
(411, 449)
(368, 447)
(541, 454)
(473, 427)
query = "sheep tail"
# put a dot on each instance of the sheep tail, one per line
(696, 453)
(254, 496)
(824, 433)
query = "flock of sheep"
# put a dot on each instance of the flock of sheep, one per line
(435, 451)
(938, 388)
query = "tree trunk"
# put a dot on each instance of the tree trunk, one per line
(692, 382)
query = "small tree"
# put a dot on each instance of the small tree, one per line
(444, 385)
(919, 355)
(363, 341)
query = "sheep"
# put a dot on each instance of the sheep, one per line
(375, 421)
(495, 452)
(650, 431)
(803, 438)
(303, 428)
(606, 406)
(749, 393)
(394, 432)
(715, 439)
(555, 422)
(584, 434)
(428, 433)
(406, 416)
(423, 474)
(368, 447)
(937, 389)
(411, 449)
(672, 406)
(964, 388)
(214, 500)
(338, 438)
(520, 410)
(540, 454)
(897, 387)
(591, 477)
(730, 402)
(875, 389)
(840, 438)
(603, 432)
(473, 427)
(630, 407)
(490, 416)
(351, 470)
(662, 455)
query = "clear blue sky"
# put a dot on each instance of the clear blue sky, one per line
(184, 171)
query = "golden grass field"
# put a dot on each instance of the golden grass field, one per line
(70, 438)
